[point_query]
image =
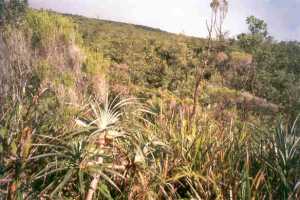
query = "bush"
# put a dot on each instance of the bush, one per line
(95, 63)
(49, 30)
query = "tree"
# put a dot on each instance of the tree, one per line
(257, 26)
(219, 12)
(258, 34)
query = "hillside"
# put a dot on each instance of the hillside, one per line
(94, 109)
(165, 61)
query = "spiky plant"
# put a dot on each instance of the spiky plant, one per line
(280, 152)
(95, 150)
(107, 136)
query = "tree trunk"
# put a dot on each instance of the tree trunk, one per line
(93, 187)
(198, 77)
(195, 98)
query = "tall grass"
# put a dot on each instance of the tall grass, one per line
(119, 150)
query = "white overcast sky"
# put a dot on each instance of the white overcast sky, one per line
(186, 16)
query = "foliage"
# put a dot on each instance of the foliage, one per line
(63, 137)
(48, 29)
(258, 33)
(280, 156)
(12, 10)
(257, 26)
(95, 63)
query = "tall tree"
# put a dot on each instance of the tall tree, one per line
(257, 26)
(258, 33)
(215, 31)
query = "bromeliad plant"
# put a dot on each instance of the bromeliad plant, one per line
(280, 153)
(78, 160)
(107, 137)
(102, 150)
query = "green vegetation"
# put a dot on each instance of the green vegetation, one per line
(93, 109)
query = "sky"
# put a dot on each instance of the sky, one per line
(186, 16)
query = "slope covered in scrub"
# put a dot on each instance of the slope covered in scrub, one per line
(93, 109)
(165, 61)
